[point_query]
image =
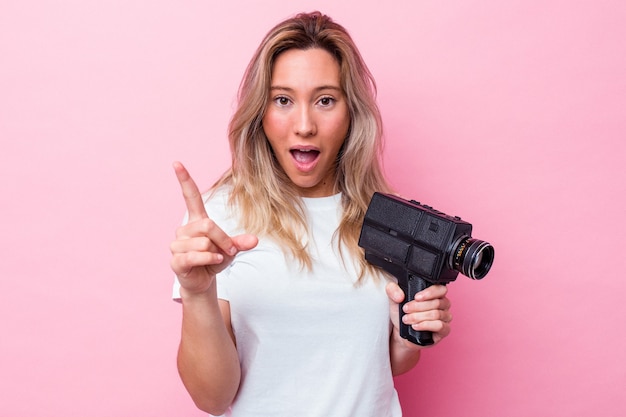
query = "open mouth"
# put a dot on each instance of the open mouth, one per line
(304, 156)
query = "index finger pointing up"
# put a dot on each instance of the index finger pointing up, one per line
(193, 196)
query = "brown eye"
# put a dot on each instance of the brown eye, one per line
(326, 101)
(281, 101)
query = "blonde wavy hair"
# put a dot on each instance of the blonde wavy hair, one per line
(261, 191)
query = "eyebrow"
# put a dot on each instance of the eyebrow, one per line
(316, 89)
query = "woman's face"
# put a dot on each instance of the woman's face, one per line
(307, 118)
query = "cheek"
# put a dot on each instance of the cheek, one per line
(338, 127)
(274, 126)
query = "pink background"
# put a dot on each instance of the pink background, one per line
(508, 113)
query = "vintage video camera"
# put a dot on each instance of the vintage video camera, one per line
(420, 246)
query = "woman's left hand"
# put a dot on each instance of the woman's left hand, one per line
(428, 311)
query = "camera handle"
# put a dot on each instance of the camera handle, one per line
(414, 285)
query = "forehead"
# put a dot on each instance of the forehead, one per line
(308, 66)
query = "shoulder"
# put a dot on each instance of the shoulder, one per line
(216, 199)
(219, 209)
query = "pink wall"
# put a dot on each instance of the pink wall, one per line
(510, 114)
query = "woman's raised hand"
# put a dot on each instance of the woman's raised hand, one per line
(201, 249)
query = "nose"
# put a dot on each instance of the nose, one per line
(305, 123)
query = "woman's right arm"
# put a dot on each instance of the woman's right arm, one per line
(207, 357)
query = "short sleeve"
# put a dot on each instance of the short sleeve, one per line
(176, 290)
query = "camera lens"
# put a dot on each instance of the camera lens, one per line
(473, 258)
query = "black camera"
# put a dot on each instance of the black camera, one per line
(420, 246)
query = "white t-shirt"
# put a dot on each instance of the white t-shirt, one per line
(309, 343)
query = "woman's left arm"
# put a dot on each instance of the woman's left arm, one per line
(430, 311)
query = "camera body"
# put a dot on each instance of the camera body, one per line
(420, 246)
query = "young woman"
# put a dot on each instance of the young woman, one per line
(282, 316)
